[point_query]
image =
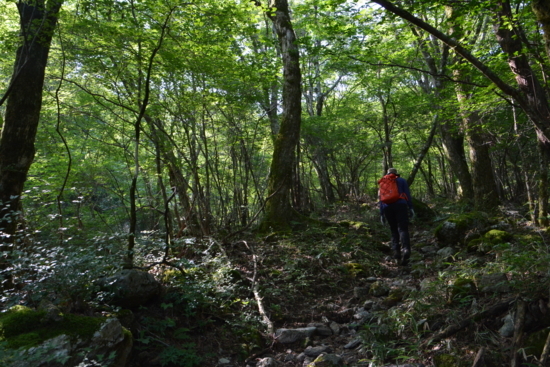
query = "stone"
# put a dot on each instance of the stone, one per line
(353, 344)
(361, 292)
(110, 344)
(327, 360)
(287, 336)
(267, 362)
(507, 329)
(446, 253)
(335, 327)
(494, 283)
(368, 305)
(131, 288)
(379, 289)
(316, 351)
(321, 329)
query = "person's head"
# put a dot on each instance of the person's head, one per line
(392, 170)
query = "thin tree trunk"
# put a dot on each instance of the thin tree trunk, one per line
(543, 187)
(423, 151)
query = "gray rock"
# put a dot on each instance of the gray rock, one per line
(362, 314)
(353, 344)
(267, 362)
(131, 288)
(446, 253)
(62, 351)
(507, 330)
(316, 351)
(361, 292)
(368, 304)
(494, 283)
(335, 327)
(321, 329)
(287, 336)
(428, 250)
(379, 289)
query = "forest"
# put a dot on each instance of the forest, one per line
(194, 183)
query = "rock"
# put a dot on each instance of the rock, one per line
(446, 253)
(321, 329)
(395, 296)
(368, 305)
(362, 314)
(327, 360)
(335, 327)
(507, 330)
(379, 289)
(494, 283)
(429, 250)
(353, 344)
(361, 292)
(316, 351)
(131, 288)
(109, 346)
(287, 336)
(453, 231)
(267, 362)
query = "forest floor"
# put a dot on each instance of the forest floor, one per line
(432, 312)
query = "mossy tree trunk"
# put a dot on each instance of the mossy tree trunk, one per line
(278, 211)
(38, 20)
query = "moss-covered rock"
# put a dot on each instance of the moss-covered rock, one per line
(24, 327)
(496, 236)
(422, 210)
(68, 340)
(453, 230)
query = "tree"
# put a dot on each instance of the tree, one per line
(278, 211)
(38, 20)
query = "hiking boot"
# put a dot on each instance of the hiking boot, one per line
(406, 256)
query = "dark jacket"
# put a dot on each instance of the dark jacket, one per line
(403, 188)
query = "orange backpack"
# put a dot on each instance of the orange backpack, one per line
(389, 192)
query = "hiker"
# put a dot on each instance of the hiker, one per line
(395, 208)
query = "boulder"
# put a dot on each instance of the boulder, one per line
(494, 283)
(288, 336)
(131, 288)
(36, 339)
(378, 289)
(454, 230)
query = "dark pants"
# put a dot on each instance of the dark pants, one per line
(397, 215)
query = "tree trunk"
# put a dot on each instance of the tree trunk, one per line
(543, 187)
(278, 211)
(453, 146)
(38, 21)
(483, 180)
